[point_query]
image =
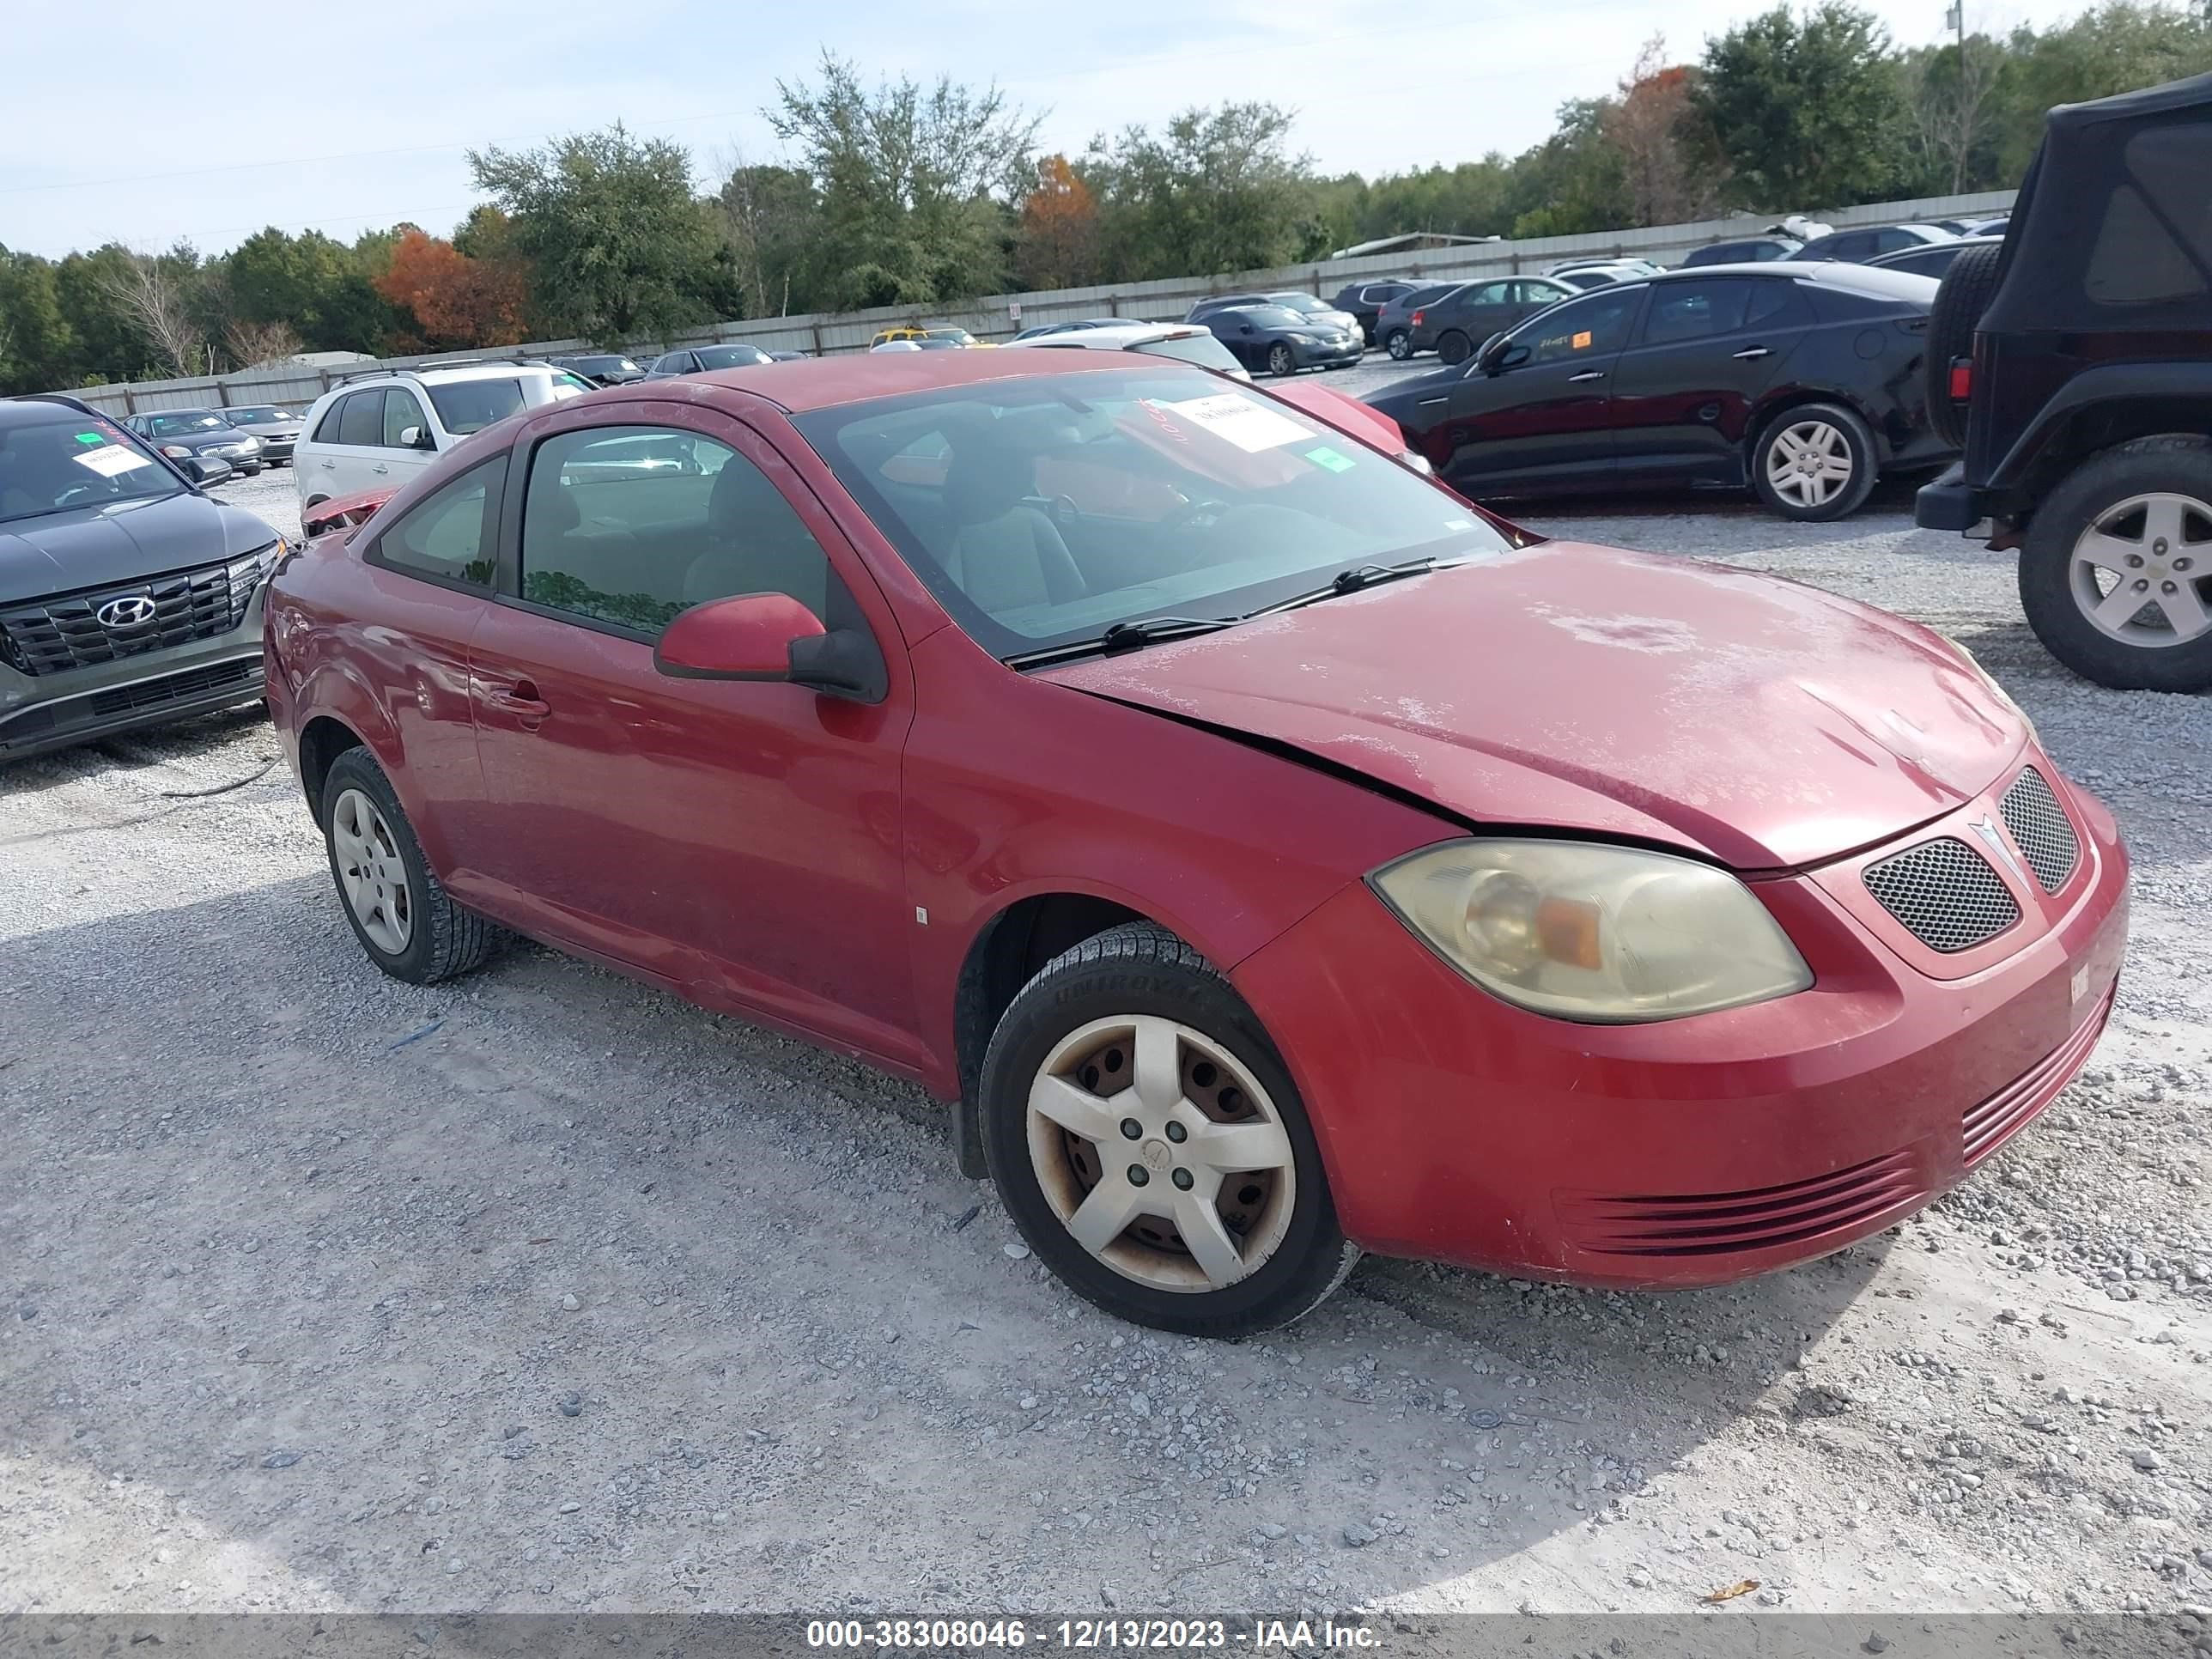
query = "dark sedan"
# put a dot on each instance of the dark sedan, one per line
(602, 368)
(205, 432)
(1752, 249)
(1393, 324)
(1932, 259)
(1804, 382)
(1455, 325)
(1857, 246)
(1276, 340)
(699, 360)
(1363, 301)
(278, 429)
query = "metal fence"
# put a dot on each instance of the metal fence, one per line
(1001, 316)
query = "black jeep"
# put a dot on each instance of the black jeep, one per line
(2074, 363)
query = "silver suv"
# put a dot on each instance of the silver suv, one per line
(375, 431)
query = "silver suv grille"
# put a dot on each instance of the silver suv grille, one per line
(2039, 825)
(51, 636)
(1945, 894)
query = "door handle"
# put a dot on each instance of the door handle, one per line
(520, 700)
(1755, 351)
(1587, 374)
(1431, 403)
(380, 467)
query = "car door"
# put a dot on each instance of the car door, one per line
(1477, 311)
(349, 438)
(737, 840)
(407, 438)
(1541, 414)
(1703, 353)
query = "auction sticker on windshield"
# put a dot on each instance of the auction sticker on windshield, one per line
(1249, 425)
(112, 460)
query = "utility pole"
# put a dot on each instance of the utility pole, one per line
(1956, 21)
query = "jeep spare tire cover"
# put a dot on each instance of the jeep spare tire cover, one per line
(1968, 287)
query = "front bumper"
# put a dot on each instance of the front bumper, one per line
(44, 712)
(1693, 1151)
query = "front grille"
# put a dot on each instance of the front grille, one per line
(2040, 829)
(243, 677)
(1945, 894)
(53, 636)
(1759, 1218)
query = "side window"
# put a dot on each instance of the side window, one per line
(360, 419)
(1776, 302)
(1490, 293)
(2155, 243)
(1543, 293)
(1691, 311)
(613, 533)
(400, 412)
(1595, 324)
(449, 535)
(925, 461)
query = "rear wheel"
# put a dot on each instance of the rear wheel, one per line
(1148, 1141)
(1399, 343)
(1454, 347)
(2113, 573)
(1281, 359)
(1968, 287)
(1815, 462)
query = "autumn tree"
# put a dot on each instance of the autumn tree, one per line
(1665, 172)
(1059, 229)
(457, 300)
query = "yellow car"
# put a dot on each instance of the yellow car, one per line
(930, 337)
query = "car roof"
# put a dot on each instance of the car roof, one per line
(1121, 334)
(861, 376)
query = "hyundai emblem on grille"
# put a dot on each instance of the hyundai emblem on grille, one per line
(129, 611)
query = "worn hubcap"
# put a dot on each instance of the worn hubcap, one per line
(1161, 1155)
(1809, 463)
(371, 872)
(2139, 570)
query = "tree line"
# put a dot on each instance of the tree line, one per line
(895, 193)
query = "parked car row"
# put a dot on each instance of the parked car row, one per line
(243, 439)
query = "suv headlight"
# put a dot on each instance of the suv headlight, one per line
(1607, 935)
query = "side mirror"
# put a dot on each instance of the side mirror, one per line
(416, 437)
(754, 636)
(1499, 354)
(195, 469)
(1243, 328)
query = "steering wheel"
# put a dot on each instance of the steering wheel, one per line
(1197, 516)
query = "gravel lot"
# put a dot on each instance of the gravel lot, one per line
(543, 1291)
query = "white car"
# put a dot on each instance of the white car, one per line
(1185, 341)
(378, 429)
(1596, 273)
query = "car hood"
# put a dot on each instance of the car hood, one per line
(1765, 723)
(100, 547)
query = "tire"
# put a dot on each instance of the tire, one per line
(1281, 359)
(1275, 1250)
(423, 936)
(1834, 436)
(2123, 498)
(1454, 347)
(1968, 287)
(1398, 343)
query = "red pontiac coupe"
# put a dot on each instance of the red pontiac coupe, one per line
(1268, 854)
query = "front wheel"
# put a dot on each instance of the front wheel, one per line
(1814, 463)
(398, 909)
(1454, 347)
(2113, 573)
(1149, 1143)
(1281, 359)
(1399, 343)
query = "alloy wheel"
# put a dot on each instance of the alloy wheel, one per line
(2138, 570)
(372, 873)
(1808, 463)
(1160, 1154)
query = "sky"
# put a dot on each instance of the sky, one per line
(346, 118)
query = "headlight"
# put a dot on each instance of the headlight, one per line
(1605, 934)
(1302, 339)
(176, 452)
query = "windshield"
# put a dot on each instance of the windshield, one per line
(256, 415)
(1264, 317)
(468, 406)
(956, 336)
(179, 426)
(1300, 302)
(732, 356)
(73, 461)
(1044, 509)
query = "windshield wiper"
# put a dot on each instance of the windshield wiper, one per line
(1124, 636)
(1357, 577)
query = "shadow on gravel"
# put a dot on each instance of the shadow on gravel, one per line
(131, 751)
(544, 1285)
